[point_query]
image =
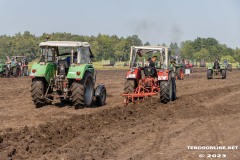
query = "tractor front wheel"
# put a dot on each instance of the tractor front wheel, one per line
(101, 95)
(37, 92)
(82, 91)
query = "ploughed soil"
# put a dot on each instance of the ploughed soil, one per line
(206, 113)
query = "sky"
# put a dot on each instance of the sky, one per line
(154, 21)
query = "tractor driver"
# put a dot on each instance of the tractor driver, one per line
(150, 70)
(216, 64)
(151, 61)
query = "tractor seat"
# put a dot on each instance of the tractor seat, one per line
(150, 71)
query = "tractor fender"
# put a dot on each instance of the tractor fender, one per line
(99, 89)
(210, 66)
(134, 73)
(46, 70)
(78, 71)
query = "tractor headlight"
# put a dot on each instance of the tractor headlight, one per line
(131, 76)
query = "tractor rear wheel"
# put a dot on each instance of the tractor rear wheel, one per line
(37, 92)
(129, 86)
(209, 74)
(167, 91)
(82, 91)
(224, 74)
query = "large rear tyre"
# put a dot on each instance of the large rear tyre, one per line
(168, 91)
(209, 74)
(224, 74)
(82, 91)
(37, 92)
(129, 86)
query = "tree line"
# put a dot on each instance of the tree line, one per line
(113, 47)
(208, 49)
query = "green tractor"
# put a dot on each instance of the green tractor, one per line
(217, 69)
(19, 66)
(2, 66)
(227, 63)
(65, 72)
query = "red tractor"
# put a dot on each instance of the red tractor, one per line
(146, 81)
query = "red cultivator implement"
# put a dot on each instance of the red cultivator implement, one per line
(146, 87)
(142, 82)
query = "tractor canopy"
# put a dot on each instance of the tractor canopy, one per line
(79, 52)
(163, 54)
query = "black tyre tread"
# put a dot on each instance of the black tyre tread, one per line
(129, 86)
(77, 90)
(37, 90)
(164, 91)
(77, 94)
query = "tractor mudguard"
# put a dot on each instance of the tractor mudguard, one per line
(163, 75)
(223, 66)
(78, 71)
(99, 89)
(46, 70)
(210, 66)
(134, 73)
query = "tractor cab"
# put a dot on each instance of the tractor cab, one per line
(155, 73)
(65, 54)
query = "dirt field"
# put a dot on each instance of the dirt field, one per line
(207, 112)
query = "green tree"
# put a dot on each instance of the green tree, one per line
(202, 54)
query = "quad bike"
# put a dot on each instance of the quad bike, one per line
(68, 76)
(148, 81)
(217, 70)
